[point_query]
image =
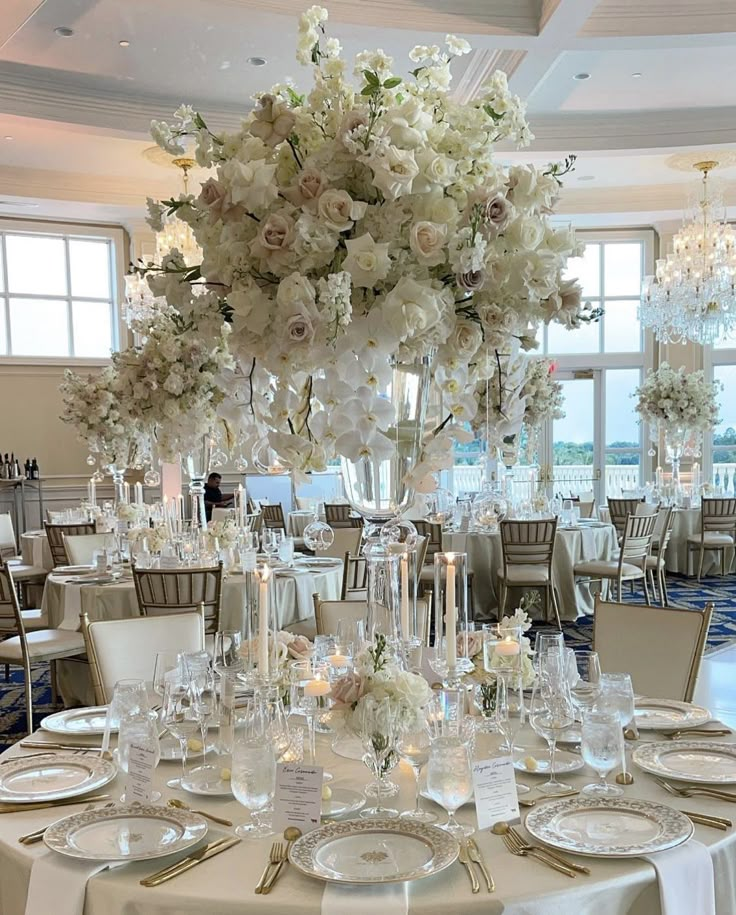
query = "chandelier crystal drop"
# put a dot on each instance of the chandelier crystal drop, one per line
(693, 294)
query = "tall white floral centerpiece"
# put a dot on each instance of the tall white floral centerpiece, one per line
(680, 406)
(361, 239)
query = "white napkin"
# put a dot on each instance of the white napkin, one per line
(59, 884)
(392, 899)
(72, 606)
(686, 883)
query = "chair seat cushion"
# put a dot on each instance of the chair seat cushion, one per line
(531, 574)
(712, 538)
(654, 561)
(607, 569)
(32, 619)
(45, 644)
(22, 572)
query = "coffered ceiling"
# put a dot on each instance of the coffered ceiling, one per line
(622, 83)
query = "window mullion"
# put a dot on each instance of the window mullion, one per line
(4, 252)
(69, 318)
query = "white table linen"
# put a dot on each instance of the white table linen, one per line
(523, 886)
(366, 900)
(685, 877)
(485, 558)
(59, 885)
(35, 550)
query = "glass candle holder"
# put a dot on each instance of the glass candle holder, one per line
(501, 648)
(264, 626)
(451, 614)
(384, 602)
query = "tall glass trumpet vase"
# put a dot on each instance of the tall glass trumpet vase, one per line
(384, 600)
(451, 617)
(197, 467)
(376, 487)
(679, 442)
(118, 481)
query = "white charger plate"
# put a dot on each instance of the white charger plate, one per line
(665, 714)
(342, 802)
(78, 722)
(132, 832)
(608, 827)
(564, 762)
(35, 780)
(691, 761)
(373, 852)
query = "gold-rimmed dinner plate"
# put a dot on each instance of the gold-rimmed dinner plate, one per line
(373, 852)
(695, 761)
(81, 722)
(668, 714)
(34, 780)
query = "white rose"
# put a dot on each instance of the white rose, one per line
(465, 339)
(367, 262)
(338, 211)
(435, 170)
(427, 240)
(295, 292)
(527, 232)
(394, 171)
(412, 688)
(411, 308)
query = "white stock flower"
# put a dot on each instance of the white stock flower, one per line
(367, 261)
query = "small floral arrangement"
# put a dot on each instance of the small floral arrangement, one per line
(156, 537)
(128, 511)
(222, 533)
(289, 647)
(677, 398)
(377, 676)
(521, 620)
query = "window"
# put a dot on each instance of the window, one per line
(58, 291)
(724, 434)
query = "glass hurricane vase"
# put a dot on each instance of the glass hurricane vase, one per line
(197, 467)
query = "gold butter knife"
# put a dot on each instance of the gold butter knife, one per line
(192, 861)
(705, 819)
(464, 857)
(209, 846)
(22, 808)
(477, 858)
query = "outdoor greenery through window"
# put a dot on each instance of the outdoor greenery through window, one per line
(724, 435)
(57, 294)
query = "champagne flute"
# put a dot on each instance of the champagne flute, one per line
(602, 746)
(550, 714)
(197, 664)
(413, 747)
(509, 713)
(450, 781)
(181, 715)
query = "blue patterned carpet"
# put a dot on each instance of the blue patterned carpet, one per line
(684, 592)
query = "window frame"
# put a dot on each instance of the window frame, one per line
(712, 358)
(114, 235)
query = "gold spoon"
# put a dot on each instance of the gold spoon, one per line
(180, 805)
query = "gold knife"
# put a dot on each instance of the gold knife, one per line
(477, 858)
(193, 860)
(465, 860)
(705, 819)
(21, 808)
(209, 846)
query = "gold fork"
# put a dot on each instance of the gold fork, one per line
(528, 846)
(694, 790)
(523, 853)
(274, 858)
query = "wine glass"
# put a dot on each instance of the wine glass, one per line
(450, 781)
(140, 729)
(378, 727)
(253, 775)
(509, 713)
(617, 695)
(583, 671)
(350, 634)
(550, 714)
(166, 661)
(413, 747)
(548, 641)
(197, 664)
(602, 746)
(271, 540)
(227, 658)
(181, 715)
(277, 725)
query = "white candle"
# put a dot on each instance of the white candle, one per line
(264, 574)
(126, 491)
(90, 489)
(405, 596)
(316, 688)
(337, 660)
(507, 647)
(139, 493)
(167, 516)
(450, 614)
(241, 507)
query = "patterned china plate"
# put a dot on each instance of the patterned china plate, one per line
(662, 714)
(78, 721)
(564, 762)
(608, 827)
(318, 562)
(373, 851)
(694, 761)
(132, 832)
(31, 780)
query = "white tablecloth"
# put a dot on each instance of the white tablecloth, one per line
(224, 885)
(687, 523)
(34, 548)
(298, 520)
(485, 558)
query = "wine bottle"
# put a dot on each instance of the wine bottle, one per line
(35, 470)
(27, 468)
(16, 469)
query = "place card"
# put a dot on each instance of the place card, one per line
(495, 791)
(139, 783)
(297, 800)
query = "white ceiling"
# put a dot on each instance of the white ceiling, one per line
(78, 108)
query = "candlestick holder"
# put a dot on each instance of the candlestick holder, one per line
(264, 626)
(451, 639)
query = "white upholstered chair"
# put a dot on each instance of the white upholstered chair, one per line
(23, 573)
(56, 534)
(347, 540)
(661, 647)
(328, 612)
(80, 547)
(125, 649)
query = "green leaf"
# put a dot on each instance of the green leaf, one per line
(392, 82)
(371, 77)
(368, 90)
(315, 54)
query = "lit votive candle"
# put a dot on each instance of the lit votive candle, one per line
(507, 647)
(317, 688)
(337, 660)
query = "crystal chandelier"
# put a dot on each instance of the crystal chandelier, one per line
(140, 304)
(693, 295)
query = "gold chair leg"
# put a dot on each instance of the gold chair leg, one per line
(647, 598)
(29, 696)
(553, 600)
(52, 678)
(700, 564)
(663, 587)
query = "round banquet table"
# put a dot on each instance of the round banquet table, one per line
(572, 545)
(686, 524)
(224, 885)
(298, 520)
(35, 551)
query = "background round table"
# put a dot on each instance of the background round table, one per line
(686, 524)
(34, 548)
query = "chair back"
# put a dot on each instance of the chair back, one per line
(663, 527)
(255, 522)
(80, 547)
(328, 612)
(8, 546)
(586, 503)
(619, 510)
(646, 508)
(222, 514)
(433, 533)
(127, 649)
(636, 543)
(11, 619)
(339, 514)
(166, 591)
(718, 515)
(626, 635)
(354, 578)
(528, 542)
(347, 540)
(273, 516)
(306, 503)
(56, 534)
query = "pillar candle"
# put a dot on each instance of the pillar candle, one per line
(241, 506)
(126, 491)
(139, 493)
(405, 626)
(263, 577)
(450, 615)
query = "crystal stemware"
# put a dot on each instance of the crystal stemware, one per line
(413, 748)
(602, 747)
(617, 695)
(583, 672)
(378, 727)
(140, 729)
(450, 781)
(253, 783)
(181, 715)
(550, 714)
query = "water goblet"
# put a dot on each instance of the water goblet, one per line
(286, 550)
(617, 695)
(450, 781)
(253, 779)
(551, 712)
(602, 747)
(583, 672)
(140, 729)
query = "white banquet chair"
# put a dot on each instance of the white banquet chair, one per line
(528, 548)
(625, 636)
(24, 574)
(56, 534)
(347, 540)
(630, 564)
(127, 649)
(717, 531)
(327, 613)
(81, 547)
(166, 591)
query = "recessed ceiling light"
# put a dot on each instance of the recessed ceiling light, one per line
(17, 203)
(257, 61)
(581, 76)
(63, 31)
(124, 43)
(636, 75)
(586, 178)
(7, 138)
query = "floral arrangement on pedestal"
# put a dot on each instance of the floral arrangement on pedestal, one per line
(156, 537)
(358, 226)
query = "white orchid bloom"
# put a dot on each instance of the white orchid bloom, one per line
(364, 442)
